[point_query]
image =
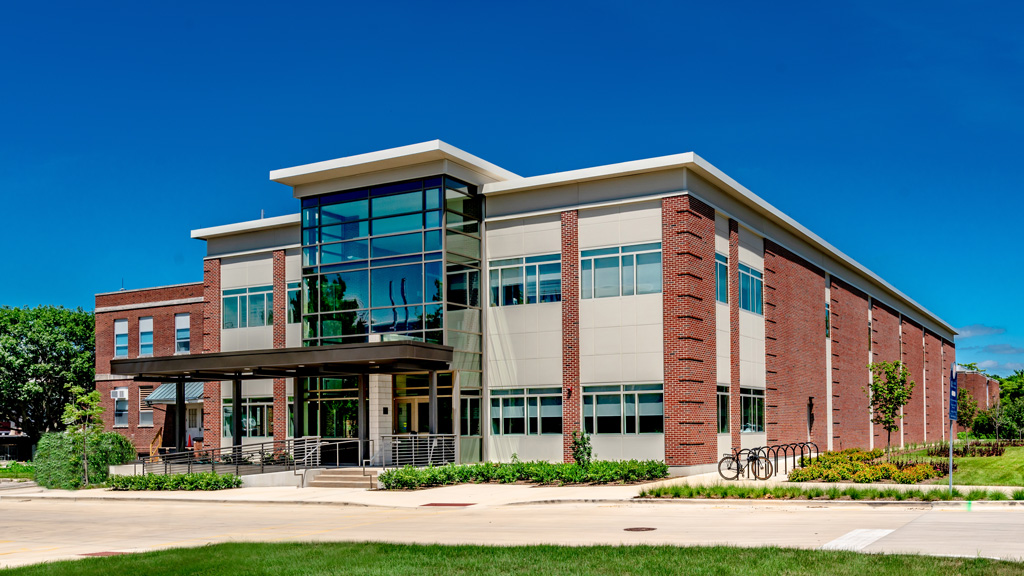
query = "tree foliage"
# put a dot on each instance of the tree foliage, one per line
(44, 352)
(889, 392)
(82, 415)
(966, 409)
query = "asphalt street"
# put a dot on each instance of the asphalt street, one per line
(41, 530)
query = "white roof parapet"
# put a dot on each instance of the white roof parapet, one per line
(249, 226)
(385, 159)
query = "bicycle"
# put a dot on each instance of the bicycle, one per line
(732, 465)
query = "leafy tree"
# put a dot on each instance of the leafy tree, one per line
(889, 392)
(82, 415)
(966, 409)
(44, 352)
(1011, 387)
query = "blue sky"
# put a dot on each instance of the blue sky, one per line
(893, 130)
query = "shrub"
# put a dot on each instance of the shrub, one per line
(58, 462)
(193, 481)
(599, 472)
(582, 450)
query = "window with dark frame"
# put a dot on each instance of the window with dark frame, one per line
(624, 409)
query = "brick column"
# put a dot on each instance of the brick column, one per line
(280, 325)
(211, 343)
(571, 398)
(688, 280)
(734, 333)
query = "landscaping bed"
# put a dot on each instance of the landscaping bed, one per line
(17, 470)
(546, 473)
(190, 482)
(864, 467)
(722, 491)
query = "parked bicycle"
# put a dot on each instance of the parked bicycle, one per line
(731, 466)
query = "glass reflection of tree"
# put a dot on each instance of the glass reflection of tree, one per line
(346, 321)
(339, 418)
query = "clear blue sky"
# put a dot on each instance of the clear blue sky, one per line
(893, 131)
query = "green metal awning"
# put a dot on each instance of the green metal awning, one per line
(164, 394)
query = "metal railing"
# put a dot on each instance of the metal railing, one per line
(259, 458)
(414, 450)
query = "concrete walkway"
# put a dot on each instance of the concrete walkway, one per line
(478, 495)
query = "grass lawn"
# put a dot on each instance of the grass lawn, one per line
(1005, 470)
(399, 559)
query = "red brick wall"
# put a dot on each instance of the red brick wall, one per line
(734, 333)
(280, 322)
(794, 314)
(913, 357)
(851, 411)
(688, 276)
(885, 347)
(571, 397)
(936, 388)
(163, 345)
(211, 343)
(977, 384)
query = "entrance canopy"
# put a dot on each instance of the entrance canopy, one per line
(167, 394)
(307, 362)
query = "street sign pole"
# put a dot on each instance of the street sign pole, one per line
(952, 419)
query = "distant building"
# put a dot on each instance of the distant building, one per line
(656, 304)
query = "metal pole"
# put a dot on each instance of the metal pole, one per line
(236, 416)
(179, 416)
(951, 456)
(364, 383)
(433, 402)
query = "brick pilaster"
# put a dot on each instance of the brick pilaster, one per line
(211, 343)
(280, 331)
(850, 407)
(571, 397)
(734, 333)
(688, 280)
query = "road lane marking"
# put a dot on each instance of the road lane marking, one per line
(857, 539)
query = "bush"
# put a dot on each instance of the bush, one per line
(599, 472)
(58, 460)
(582, 451)
(191, 482)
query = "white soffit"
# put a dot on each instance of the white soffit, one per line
(388, 159)
(250, 226)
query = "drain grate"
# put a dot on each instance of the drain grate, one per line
(639, 529)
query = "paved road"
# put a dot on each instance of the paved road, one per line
(40, 530)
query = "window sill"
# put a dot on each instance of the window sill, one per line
(120, 426)
(145, 426)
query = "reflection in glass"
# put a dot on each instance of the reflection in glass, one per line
(396, 245)
(344, 291)
(397, 285)
(401, 319)
(606, 277)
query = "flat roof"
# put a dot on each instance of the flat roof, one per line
(386, 159)
(248, 226)
(705, 169)
(126, 290)
(303, 362)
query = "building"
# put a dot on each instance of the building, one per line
(656, 304)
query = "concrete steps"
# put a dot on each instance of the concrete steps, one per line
(345, 478)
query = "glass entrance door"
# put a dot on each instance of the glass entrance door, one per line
(412, 415)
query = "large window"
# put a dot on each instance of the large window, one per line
(526, 411)
(121, 338)
(723, 409)
(526, 280)
(623, 409)
(145, 410)
(751, 410)
(469, 413)
(294, 303)
(248, 307)
(182, 333)
(750, 289)
(257, 417)
(120, 406)
(146, 336)
(621, 271)
(722, 278)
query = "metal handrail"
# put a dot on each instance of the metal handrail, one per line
(278, 455)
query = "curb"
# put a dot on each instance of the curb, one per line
(34, 497)
(937, 504)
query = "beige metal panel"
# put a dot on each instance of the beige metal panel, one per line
(620, 224)
(629, 446)
(545, 447)
(524, 237)
(270, 239)
(621, 339)
(236, 339)
(751, 248)
(722, 234)
(515, 357)
(245, 271)
(293, 265)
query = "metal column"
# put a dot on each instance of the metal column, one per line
(433, 402)
(300, 408)
(236, 412)
(179, 416)
(364, 383)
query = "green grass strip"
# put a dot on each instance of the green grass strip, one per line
(720, 491)
(386, 559)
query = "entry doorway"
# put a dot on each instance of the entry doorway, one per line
(412, 415)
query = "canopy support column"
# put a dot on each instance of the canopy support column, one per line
(236, 412)
(433, 402)
(179, 416)
(364, 383)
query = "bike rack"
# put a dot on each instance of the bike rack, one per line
(794, 450)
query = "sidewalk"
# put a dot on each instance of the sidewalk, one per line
(478, 495)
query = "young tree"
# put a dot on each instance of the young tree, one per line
(44, 351)
(966, 409)
(889, 392)
(82, 415)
